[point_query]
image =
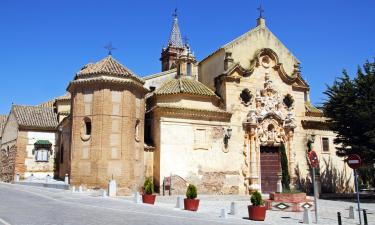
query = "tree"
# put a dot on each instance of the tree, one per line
(285, 177)
(350, 108)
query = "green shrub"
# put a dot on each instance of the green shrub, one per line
(191, 192)
(256, 199)
(148, 186)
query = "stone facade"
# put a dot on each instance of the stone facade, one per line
(260, 86)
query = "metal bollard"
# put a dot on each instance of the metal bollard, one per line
(339, 218)
(365, 217)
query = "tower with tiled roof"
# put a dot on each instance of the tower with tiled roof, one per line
(107, 120)
(169, 55)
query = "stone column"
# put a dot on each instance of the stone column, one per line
(254, 171)
(291, 154)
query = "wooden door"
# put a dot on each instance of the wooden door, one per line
(269, 168)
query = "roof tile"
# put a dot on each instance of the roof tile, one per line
(186, 86)
(35, 116)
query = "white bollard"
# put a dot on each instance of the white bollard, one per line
(279, 187)
(66, 179)
(80, 189)
(137, 198)
(17, 178)
(180, 202)
(223, 214)
(47, 178)
(112, 188)
(233, 208)
(104, 194)
(73, 189)
(351, 212)
(306, 216)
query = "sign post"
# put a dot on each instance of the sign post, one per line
(354, 162)
(314, 164)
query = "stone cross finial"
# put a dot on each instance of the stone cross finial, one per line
(261, 11)
(110, 48)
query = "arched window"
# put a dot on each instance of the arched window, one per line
(188, 69)
(137, 123)
(86, 129)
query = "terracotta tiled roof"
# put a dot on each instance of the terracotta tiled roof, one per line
(186, 86)
(35, 116)
(48, 103)
(66, 96)
(107, 66)
(3, 120)
(312, 110)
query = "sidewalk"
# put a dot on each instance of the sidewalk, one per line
(212, 205)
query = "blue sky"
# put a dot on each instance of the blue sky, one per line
(44, 43)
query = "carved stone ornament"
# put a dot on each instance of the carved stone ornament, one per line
(271, 117)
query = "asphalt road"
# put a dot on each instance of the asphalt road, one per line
(25, 205)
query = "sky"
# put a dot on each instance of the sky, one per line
(43, 43)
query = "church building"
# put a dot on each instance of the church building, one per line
(219, 123)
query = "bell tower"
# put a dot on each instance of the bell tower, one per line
(170, 54)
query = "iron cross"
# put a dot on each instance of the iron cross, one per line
(175, 13)
(110, 48)
(261, 11)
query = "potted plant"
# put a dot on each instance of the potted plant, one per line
(147, 196)
(190, 202)
(257, 211)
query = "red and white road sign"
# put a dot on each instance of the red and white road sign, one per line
(354, 161)
(313, 159)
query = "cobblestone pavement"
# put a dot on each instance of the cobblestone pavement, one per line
(26, 205)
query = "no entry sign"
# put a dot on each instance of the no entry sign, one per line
(313, 159)
(354, 161)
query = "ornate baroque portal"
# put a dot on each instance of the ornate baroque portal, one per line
(270, 124)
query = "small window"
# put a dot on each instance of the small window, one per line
(246, 97)
(137, 122)
(86, 129)
(188, 69)
(325, 143)
(41, 155)
(288, 101)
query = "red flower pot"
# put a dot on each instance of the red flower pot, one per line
(191, 204)
(257, 213)
(148, 199)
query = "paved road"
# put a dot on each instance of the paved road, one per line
(24, 205)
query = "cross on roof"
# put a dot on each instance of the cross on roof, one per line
(175, 13)
(110, 48)
(261, 11)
